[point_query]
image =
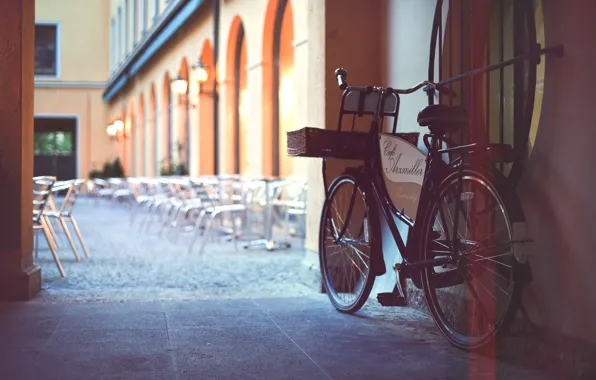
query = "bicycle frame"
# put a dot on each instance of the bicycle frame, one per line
(434, 164)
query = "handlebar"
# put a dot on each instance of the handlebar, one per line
(536, 52)
(341, 75)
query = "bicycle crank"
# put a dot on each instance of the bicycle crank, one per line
(399, 296)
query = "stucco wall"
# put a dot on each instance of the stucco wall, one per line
(83, 70)
(84, 38)
(189, 45)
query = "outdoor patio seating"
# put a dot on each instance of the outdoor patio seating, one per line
(42, 187)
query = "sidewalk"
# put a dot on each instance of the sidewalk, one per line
(292, 338)
(143, 308)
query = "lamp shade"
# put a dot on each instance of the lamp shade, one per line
(199, 72)
(179, 85)
(111, 130)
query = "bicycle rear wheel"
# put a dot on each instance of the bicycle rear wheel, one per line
(345, 260)
(475, 297)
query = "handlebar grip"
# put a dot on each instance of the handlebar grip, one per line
(443, 90)
(341, 74)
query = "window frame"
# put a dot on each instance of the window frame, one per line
(113, 45)
(127, 48)
(119, 38)
(135, 23)
(58, 49)
(145, 19)
(156, 10)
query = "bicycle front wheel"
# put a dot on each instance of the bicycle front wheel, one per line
(345, 241)
(475, 296)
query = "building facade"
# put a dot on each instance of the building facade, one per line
(71, 71)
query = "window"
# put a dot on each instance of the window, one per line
(126, 27)
(501, 103)
(155, 9)
(145, 17)
(120, 35)
(46, 50)
(135, 22)
(55, 143)
(112, 44)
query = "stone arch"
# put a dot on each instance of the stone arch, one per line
(151, 137)
(278, 89)
(165, 115)
(206, 141)
(183, 118)
(139, 133)
(236, 95)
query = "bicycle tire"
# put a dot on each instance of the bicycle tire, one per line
(342, 184)
(429, 277)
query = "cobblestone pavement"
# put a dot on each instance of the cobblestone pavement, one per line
(126, 264)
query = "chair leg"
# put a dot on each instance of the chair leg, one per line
(197, 229)
(287, 223)
(78, 232)
(208, 229)
(69, 237)
(133, 214)
(52, 231)
(48, 236)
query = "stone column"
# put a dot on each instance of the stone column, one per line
(20, 278)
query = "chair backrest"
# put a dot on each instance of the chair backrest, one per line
(42, 188)
(74, 189)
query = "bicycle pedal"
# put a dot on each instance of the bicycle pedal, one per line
(391, 299)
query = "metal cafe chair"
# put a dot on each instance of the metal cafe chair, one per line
(229, 205)
(64, 213)
(42, 187)
(292, 203)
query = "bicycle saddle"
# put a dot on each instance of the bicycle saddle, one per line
(441, 119)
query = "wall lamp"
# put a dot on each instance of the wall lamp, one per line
(116, 130)
(199, 75)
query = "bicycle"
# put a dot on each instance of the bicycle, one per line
(459, 208)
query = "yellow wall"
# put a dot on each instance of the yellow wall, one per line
(188, 46)
(84, 37)
(83, 71)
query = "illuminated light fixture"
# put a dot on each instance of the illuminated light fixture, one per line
(116, 129)
(111, 130)
(199, 72)
(119, 125)
(179, 85)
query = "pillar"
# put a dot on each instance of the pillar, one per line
(20, 278)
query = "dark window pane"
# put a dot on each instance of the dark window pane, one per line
(45, 50)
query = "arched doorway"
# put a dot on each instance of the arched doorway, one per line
(278, 87)
(165, 137)
(237, 99)
(151, 136)
(206, 142)
(139, 133)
